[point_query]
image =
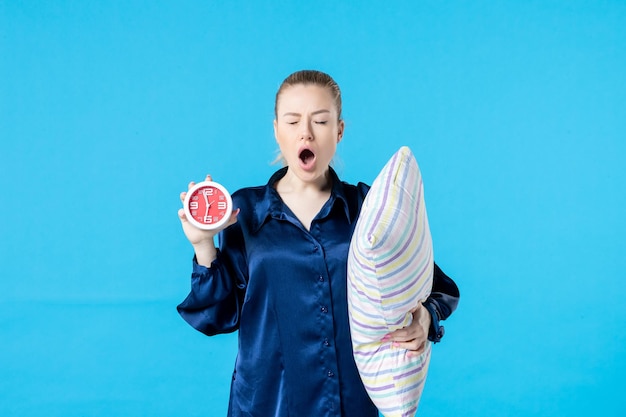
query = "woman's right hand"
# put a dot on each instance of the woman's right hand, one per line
(202, 240)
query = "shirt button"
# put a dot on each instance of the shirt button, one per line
(324, 309)
(330, 374)
(315, 248)
(326, 342)
(321, 278)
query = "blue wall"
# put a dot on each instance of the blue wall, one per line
(516, 112)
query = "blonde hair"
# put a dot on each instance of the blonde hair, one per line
(311, 77)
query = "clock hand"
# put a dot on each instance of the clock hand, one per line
(208, 206)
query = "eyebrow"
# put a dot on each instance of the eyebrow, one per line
(314, 113)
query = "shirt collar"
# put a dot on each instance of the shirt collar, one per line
(272, 205)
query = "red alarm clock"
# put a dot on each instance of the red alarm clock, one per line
(208, 205)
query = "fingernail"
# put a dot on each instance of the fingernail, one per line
(385, 338)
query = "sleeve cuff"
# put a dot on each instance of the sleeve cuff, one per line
(201, 269)
(436, 331)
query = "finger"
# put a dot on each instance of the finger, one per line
(409, 345)
(419, 351)
(182, 196)
(403, 335)
(181, 215)
(191, 184)
(416, 345)
(208, 178)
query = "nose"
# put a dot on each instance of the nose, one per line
(306, 131)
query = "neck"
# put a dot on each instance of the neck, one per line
(292, 183)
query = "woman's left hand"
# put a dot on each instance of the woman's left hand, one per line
(413, 337)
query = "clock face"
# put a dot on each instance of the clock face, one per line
(208, 205)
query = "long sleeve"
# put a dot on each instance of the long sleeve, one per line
(214, 303)
(443, 300)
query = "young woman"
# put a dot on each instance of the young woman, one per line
(279, 275)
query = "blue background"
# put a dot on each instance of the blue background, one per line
(516, 112)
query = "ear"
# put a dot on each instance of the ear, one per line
(340, 128)
(275, 134)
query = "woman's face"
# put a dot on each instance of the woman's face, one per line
(307, 129)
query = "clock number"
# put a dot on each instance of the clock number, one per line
(221, 205)
(208, 191)
(208, 219)
(193, 205)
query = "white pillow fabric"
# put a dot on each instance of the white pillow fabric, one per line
(390, 272)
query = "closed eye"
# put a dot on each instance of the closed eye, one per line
(321, 122)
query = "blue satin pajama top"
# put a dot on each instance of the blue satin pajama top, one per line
(285, 289)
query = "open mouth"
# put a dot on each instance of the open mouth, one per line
(306, 156)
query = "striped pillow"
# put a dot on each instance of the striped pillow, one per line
(390, 270)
